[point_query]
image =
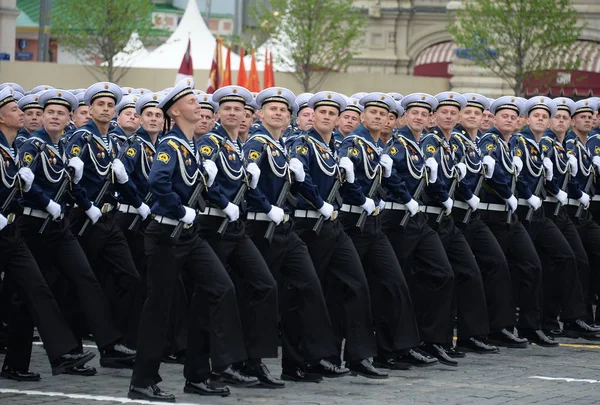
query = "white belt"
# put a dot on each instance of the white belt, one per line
(313, 214)
(524, 202)
(169, 221)
(35, 213)
(127, 209)
(461, 204)
(400, 207)
(491, 207)
(551, 199)
(355, 209)
(261, 216)
(573, 202)
(213, 212)
(596, 198)
(432, 210)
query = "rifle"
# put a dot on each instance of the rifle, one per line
(588, 187)
(107, 182)
(451, 191)
(196, 198)
(137, 220)
(373, 191)
(420, 189)
(241, 193)
(65, 183)
(13, 193)
(331, 197)
(538, 188)
(281, 199)
(563, 187)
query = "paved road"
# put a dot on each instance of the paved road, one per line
(569, 374)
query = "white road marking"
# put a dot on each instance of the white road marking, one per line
(565, 379)
(92, 346)
(87, 397)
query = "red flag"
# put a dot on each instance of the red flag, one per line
(254, 83)
(242, 79)
(271, 71)
(266, 72)
(214, 77)
(186, 70)
(227, 71)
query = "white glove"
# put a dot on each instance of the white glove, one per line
(448, 205)
(27, 177)
(433, 169)
(346, 164)
(326, 210)
(561, 197)
(381, 205)
(573, 168)
(143, 210)
(189, 216)
(276, 214)
(462, 170)
(3, 222)
(54, 209)
(94, 214)
(596, 162)
(490, 165)
(386, 162)
(254, 172)
(77, 165)
(473, 202)
(535, 202)
(369, 206)
(512, 203)
(549, 167)
(119, 171)
(297, 168)
(412, 206)
(518, 163)
(211, 171)
(585, 200)
(232, 211)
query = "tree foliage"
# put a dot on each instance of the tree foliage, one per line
(97, 30)
(312, 37)
(518, 39)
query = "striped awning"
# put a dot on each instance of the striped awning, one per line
(435, 60)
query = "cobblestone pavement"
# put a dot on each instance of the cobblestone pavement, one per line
(569, 374)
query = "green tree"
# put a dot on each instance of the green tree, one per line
(312, 37)
(97, 30)
(517, 39)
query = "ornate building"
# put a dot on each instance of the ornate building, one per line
(411, 37)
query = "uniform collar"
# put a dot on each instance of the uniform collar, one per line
(314, 134)
(550, 134)
(407, 133)
(363, 132)
(143, 135)
(3, 140)
(178, 133)
(93, 128)
(43, 135)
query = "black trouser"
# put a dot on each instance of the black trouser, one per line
(214, 294)
(558, 262)
(589, 232)
(109, 255)
(256, 287)
(57, 252)
(524, 265)
(427, 271)
(469, 294)
(35, 305)
(493, 266)
(306, 331)
(344, 285)
(393, 314)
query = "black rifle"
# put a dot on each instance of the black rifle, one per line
(64, 185)
(241, 193)
(331, 198)
(420, 189)
(539, 187)
(107, 181)
(588, 187)
(476, 192)
(563, 188)
(452, 188)
(13, 193)
(375, 190)
(137, 220)
(196, 199)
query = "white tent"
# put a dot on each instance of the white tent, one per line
(133, 51)
(170, 54)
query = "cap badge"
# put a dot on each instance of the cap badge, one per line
(154, 97)
(279, 92)
(59, 94)
(106, 86)
(234, 91)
